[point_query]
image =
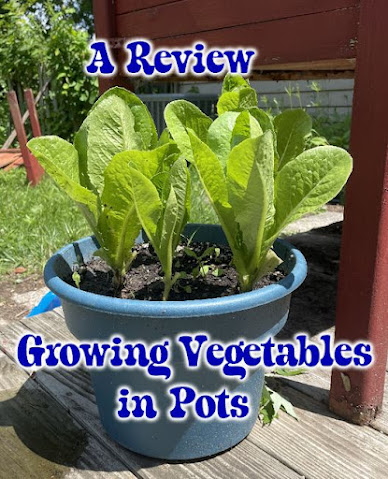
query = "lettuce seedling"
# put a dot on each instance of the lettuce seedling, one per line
(98, 178)
(163, 213)
(255, 171)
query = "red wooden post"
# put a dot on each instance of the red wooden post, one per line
(362, 311)
(34, 170)
(36, 131)
(105, 28)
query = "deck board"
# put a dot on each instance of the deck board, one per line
(72, 389)
(39, 439)
(319, 445)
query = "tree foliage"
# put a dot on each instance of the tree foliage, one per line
(47, 41)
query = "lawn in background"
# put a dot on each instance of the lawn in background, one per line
(34, 222)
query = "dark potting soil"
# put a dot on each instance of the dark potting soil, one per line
(212, 277)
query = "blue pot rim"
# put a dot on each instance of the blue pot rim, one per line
(174, 309)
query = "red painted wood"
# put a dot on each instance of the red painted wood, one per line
(362, 311)
(36, 131)
(34, 169)
(193, 16)
(313, 38)
(8, 157)
(124, 6)
(104, 25)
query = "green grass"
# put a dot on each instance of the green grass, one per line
(34, 222)
(37, 221)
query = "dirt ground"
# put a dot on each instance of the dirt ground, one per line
(18, 294)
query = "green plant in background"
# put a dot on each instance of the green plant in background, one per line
(71, 93)
(255, 171)
(47, 42)
(99, 180)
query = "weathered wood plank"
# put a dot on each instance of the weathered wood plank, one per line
(39, 439)
(316, 384)
(320, 445)
(73, 390)
(309, 33)
(123, 6)
(162, 20)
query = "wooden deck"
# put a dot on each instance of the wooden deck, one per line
(49, 428)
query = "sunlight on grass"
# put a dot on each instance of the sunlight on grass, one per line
(36, 222)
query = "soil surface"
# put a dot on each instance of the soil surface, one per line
(205, 269)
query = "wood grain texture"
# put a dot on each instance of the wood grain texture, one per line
(301, 39)
(7, 158)
(320, 445)
(34, 169)
(73, 390)
(39, 439)
(196, 16)
(124, 6)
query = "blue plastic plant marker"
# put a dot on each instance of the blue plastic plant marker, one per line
(49, 302)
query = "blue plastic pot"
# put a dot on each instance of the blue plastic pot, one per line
(252, 316)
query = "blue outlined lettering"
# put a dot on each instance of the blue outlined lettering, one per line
(101, 62)
(233, 359)
(206, 406)
(136, 406)
(145, 60)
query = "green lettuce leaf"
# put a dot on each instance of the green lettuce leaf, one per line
(237, 100)
(181, 115)
(308, 182)
(250, 188)
(144, 125)
(118, 220)
(237, 95)
(230, 129)
(108, 129)
(60, 160)
(163, 217)
(233, 82)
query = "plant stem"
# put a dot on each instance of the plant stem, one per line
(246, 283)
(118, 281)
(167, 288)
(169, 283)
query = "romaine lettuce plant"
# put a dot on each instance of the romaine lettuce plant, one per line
(253, 167)
(163, 213)
(255, 171)
(96, 174)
